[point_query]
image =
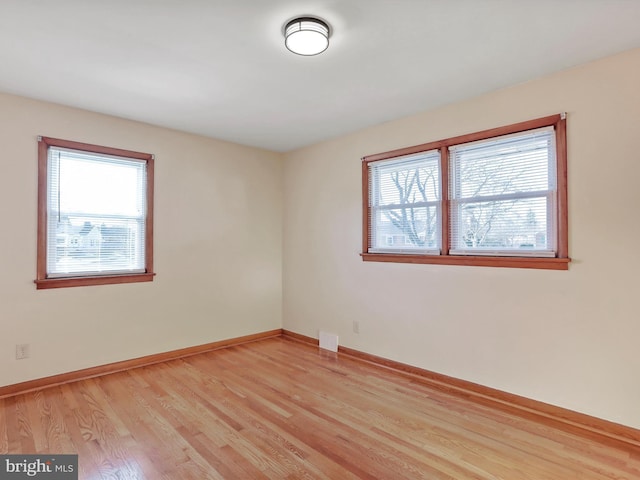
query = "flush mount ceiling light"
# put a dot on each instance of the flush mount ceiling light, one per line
(306, 36)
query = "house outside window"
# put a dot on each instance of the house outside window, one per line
(95, 215)
(492, 198)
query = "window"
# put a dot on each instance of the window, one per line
(405, 204)
(95, 215)
(492, 198)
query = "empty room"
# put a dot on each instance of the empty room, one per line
(366, 239)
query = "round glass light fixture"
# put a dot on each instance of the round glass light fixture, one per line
(306, 36)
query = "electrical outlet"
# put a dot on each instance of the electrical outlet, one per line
(22, 351)
(356, 326)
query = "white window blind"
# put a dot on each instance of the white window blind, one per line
(404, 204)
(96, 212)
(503, 194)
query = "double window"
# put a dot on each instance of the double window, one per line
(492, 198)
(95, 215)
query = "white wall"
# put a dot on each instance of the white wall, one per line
(218, 248)
(569, 338)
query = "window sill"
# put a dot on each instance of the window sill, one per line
(466, 260)
(97, 280)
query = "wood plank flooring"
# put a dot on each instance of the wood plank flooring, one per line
(279, 409)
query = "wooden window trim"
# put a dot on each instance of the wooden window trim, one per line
(560, 262)
(42, 281)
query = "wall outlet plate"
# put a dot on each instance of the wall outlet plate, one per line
(22, 351)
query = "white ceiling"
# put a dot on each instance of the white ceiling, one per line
(219, 67)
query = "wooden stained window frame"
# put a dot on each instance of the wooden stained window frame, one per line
(43, 281)
(559, 262)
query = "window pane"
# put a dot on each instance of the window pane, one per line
(95, 245)
(411, 180)
(89, 185)
(518, 225)
(404, 196)
(506, 165)
(502, 190)
(406, 228)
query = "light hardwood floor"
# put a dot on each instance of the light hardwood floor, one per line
(280, 409)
